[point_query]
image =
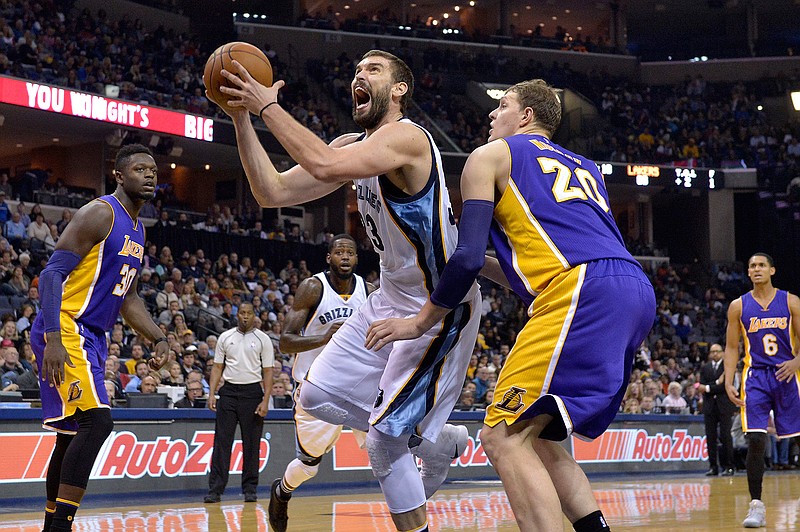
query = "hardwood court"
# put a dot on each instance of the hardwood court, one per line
(652, 504)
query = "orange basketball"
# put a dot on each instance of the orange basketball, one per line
(251, 57)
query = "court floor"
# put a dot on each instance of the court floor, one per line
(636, 503)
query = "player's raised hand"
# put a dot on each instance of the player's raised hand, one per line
(55, 356)
(247, 92)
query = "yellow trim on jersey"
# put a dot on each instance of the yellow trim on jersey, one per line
(534, 358)
(78, 390)
(562, 337)
(82, 372)
(134, 222)
(79, 285)
(539, 229)
(515, 264)
(748, 357)
(535, 257)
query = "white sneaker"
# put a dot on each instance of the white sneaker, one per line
(756, 515)
(437, 458)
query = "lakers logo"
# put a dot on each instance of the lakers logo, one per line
(74, 392)
(131, 249)
(512, 400)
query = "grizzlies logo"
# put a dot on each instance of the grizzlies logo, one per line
(512, 400)
(379, 399)
(75, 392)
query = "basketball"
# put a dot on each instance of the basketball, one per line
(251, 57)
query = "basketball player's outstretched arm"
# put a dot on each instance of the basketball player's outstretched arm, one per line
(788, 369)
(394, 146)
(305, 301)
(731, 359)
(270, 187)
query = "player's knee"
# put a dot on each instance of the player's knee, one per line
(97, 422)
(757, 441)
(321, 405)
(311, 462)
(384, 451)
(311, 467)
(491, 440)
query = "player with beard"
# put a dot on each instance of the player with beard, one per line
(89, 280)
(322, 304)
(400, 395)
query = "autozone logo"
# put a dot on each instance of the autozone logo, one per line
(348, 456)
(123, 456)
(637, 445)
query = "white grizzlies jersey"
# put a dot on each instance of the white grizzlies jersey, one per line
(332, 308)
(414, 235)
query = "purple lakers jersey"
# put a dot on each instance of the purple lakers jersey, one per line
(554, 215)
(94, 291)
(767, 332)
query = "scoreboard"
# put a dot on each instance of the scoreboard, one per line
(673, 177)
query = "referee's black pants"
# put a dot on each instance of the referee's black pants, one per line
(237, 405)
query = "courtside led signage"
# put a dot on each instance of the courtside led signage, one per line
(96, 107)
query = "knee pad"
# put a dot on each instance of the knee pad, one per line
(384, 451)
(395, 468)
(310, 469)
(331, 409)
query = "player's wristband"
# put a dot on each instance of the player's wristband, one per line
(265, 107)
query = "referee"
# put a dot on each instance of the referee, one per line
(243, 358)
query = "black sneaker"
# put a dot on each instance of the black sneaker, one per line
(728, 472)
(278, 508)
(250, 497)
(713, 472)
(212, 498)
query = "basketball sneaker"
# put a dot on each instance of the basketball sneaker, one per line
(278, 509)
(756, 515)
(437, 457)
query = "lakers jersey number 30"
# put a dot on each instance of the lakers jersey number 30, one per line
(91, 300)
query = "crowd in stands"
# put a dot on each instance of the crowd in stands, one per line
(194, 298)
(696, 122)
(693, 123)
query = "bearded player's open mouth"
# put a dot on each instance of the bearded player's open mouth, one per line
(361, 98)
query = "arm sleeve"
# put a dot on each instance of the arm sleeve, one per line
(469, 256)
(51, 280)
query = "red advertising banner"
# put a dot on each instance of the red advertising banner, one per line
(95, 107)
(638, 445)
(123, 456)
